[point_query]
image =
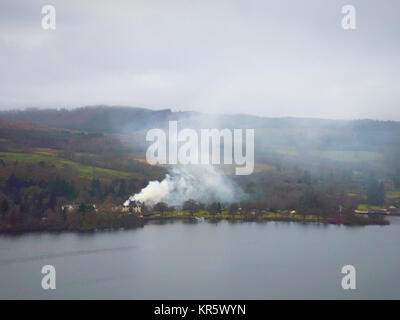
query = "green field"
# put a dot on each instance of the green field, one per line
(364, 206)
(84, 171)
(340, 156)
(393, 194)
(351, 194)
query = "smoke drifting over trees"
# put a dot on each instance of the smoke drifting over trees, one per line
(201, 183)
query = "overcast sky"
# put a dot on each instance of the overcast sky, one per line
(269, 58)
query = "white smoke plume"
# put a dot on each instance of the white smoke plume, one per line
(200, 183)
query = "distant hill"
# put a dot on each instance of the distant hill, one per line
(22, 125)
(91, 119)
(118, 119)
(271, 133)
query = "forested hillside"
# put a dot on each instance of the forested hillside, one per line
(42, 169)
(96, 156)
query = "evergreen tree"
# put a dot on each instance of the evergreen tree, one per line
(375, 192)
(190, 205)
(161, 207)
(4, 206)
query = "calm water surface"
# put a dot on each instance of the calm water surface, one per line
(178, 260)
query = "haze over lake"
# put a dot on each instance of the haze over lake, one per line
(180, 260)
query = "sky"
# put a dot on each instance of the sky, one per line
(267, 58)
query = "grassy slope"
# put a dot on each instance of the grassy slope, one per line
(336, 155)
(84, 171)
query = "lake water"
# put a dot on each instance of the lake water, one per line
(181, 260)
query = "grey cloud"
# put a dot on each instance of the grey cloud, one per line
(270, 58)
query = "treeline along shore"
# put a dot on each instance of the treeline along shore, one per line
(88, 218)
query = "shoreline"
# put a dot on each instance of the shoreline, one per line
(359, 221)
(353, 221)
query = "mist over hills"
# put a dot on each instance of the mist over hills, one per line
(112, 119)
(271, 133)
(91, 119)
